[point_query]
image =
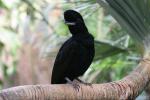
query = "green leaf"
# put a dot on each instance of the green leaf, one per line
(1, 46)
(103, 50)
(133, 16)
(2, 4)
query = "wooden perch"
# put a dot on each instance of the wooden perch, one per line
(128, 88)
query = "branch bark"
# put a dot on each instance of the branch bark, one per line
(127, 88)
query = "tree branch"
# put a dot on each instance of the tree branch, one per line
(127, 88)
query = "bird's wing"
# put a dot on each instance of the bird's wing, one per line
(64, 58)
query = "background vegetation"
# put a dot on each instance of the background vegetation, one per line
(33, 30)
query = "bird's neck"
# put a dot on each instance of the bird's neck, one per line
(81, 34)
(85, 39)
(78, 29)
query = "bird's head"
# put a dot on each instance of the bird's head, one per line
(75, 22)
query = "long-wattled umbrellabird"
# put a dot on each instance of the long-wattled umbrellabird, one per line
(76, 54)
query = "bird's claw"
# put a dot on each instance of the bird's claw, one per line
(75, 85)
(87, 84)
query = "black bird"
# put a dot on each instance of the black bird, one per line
(76, 54)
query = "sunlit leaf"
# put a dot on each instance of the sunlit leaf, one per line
(2, 4)
(9, 38)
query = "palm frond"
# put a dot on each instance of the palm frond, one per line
(104, 50)
(133, 16)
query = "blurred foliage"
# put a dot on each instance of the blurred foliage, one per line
(133, 16)
(1, 47)
(115, 56)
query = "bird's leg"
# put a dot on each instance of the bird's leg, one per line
(89, 84)
(75, 85)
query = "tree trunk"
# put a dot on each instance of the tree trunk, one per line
(128, 89)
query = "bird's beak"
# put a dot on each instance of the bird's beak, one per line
(70, 23)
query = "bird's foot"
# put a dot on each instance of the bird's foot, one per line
(75, 85)
(88, 84)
